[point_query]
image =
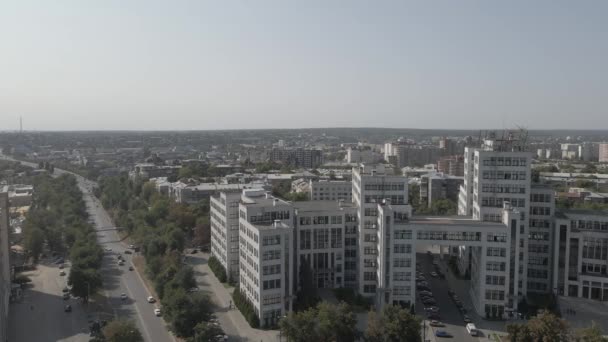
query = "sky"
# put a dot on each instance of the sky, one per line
(198, 65)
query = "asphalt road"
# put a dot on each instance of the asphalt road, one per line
(450, 316)
(116, 279)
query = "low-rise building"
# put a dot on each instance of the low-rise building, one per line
(439, 186)
(331, 190)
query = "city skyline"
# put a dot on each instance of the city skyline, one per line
(206, 66)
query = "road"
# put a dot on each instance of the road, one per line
(116, 279)
(450, 316)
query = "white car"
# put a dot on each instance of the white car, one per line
(157, 312)
(123, 296)
(151, 299)
(434, 274)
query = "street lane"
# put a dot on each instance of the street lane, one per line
(116, 279)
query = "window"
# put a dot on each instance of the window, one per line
(402, 248)
(271, 240)
(402, 262)
(271, 269)
(271, 284)
(369, 276)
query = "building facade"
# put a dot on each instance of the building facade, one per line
(297, 157)
(224, 220)
(439, 186)
(603, 153)
(5, 271)
(331, 190)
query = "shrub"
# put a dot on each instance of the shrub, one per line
(218, 269)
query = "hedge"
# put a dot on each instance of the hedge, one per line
(217, 269)
(246, 308)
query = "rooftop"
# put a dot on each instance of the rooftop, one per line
(566, 213)
(322, 205)
(451, 220)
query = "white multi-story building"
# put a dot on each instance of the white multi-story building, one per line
(322, 229)
(371, 185)
(224, 221)
(495, 173)
(266, 254)
(331, 190)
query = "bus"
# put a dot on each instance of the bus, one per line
(472, 329)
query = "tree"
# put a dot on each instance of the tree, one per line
(185, 311)
(300, 326)
(545, 327)
(336, 322)
(122, 331)
(307, 296)
(84, 281)
(204, 332)
(394, 324)
(590, 334)
(34, 241)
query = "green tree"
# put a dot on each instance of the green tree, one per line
(204, 332)
(545, 327)
(85, 282)
(336, 322)
(34, 242)
(394, 324)
(185, 311)
(300, 326)
(122, 331)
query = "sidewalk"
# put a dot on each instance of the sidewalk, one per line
(232, 321)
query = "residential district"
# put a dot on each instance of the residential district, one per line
(298, 235)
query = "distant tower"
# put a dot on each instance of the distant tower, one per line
(20, 124)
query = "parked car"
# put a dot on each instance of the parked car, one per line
(62, 266)
(67, 308)
(66, 296)
(123, 296)
(151, 299)
(128, 252)
(130, 268)
(466, 319)
(434, 274)
(62, 273)
(194, 251)
(132, 246)
(442, 333)
(435, 323)
(157, 312)
(451, 293)
(65, 289)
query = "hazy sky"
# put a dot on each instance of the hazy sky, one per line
(130, 64)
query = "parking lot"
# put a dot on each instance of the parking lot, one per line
(436, 295)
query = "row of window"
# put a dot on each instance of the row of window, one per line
(498, 202)
(271, 240)
(546, 198)
(385, 186)
(315, 220)
(595, 248)
(453, 236)
(496, 251)
(495, 295)
(540, 211)
(587, 224)
(540, 274)
(505, 161)
(507, 175)
(495, 280)
(503, 188)
(272, 284)
(271, 269)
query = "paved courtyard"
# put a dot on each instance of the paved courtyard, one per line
(585, 311)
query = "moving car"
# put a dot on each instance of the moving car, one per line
(62, 273)
(157, 312)
(471, 329)
(67, 308)
(121, 262)
(128, 252)
(442, 333)
(151, 299)
(130, 268)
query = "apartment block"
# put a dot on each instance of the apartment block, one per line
(603, 153)
(297, 157)
(331, 190)
(224, 219)
(451, 165)
(266, 254)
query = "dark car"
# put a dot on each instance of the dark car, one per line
(451, 293)
(66, 296)
(442, 333)
(67, 308)
(128, 252)
(130, 268)
(194, 251)
(65, 289)
(433, 316)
